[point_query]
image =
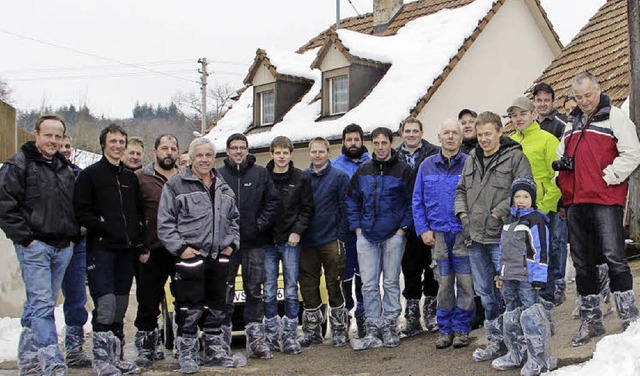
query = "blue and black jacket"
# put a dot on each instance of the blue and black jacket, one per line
(433, 194)
(524, 247)
(347, 165)
(379, 198)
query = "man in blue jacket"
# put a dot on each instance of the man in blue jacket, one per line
(320, 249)
(437, 226)
(379, 210)
(354, 153)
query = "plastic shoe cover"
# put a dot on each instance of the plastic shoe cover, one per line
(77, 358)
(159, 353)
(103, 355)
(495, 347)
(311, 328)
(390, 336)
(289, 339)
(604, 286)
(227, 336)
(444, 340)
(361, 325)
(590, 320)
(537, 333)
(559, 295)
(429, 313)
(372, 338)
(215, 353)
(339, 319)
(576, 311)
(514, 341)
(412, 325)
(272, 333)
(51, 362)
(28, 364)
(460, 339)
(127, 368)
(626, 306)
(256, 348)
(548, 309)
(145, 342)
(188, 354)
(74, 337)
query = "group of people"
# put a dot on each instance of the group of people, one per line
(484, 216)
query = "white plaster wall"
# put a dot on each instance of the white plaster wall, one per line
(334, 59)
(501, 64)
(263, 76)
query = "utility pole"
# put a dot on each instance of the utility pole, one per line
(633, 7)
(337, 14)
(203, 87)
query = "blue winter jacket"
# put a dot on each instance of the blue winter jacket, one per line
(524, 247)
(345, 164)
(433, 194)
(379, 198)
(329, 221)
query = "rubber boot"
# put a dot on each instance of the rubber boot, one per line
(51, 361)
(390, 337)
(127, 368)
(216, 353)
(626, 306)
(311, 328)
(338, 318)
(412, 326)
(429, 307)
(372, 338)
(159, 353)
(590, 320)
(514, 341)
(537, 334)
(188, 347)
(73, 340)
(256, 347)
(289, 339)
(604, 285)
(495, 347)
(104, 355)
(361, 325)
(145, 342)
(28, 364)
(272, 333)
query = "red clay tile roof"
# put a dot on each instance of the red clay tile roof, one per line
(601, 47)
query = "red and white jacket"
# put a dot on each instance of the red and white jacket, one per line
(606, 151)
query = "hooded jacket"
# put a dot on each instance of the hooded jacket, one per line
(524, 247)
(346, 164)
(605, 149)
(480, 194)
(540, 148)
(189, 217)
(379, 198)
(295, 207)
(36, 198)
(256, 197)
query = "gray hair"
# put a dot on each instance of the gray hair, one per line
(450, 122)
(585, 76)
(200, 141)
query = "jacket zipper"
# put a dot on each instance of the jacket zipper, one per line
(126, 225)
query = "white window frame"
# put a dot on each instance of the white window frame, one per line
(263, 119)
(332, 105)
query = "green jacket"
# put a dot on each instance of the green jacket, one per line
(540, 148)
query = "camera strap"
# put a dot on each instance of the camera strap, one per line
(575, 149)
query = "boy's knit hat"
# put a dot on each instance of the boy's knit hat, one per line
(524, 183)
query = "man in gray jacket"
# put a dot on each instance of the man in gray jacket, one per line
(198, 223)
(482, 202)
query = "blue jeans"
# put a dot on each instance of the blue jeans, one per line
(42, 268)
(381, 258)
(74, 287)
(559, 239)
(485, 259)
(518, 294)
(290, 256)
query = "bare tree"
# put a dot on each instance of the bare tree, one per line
(219, 97)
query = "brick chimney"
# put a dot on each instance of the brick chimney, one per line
(383, 13)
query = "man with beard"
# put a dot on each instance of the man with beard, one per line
(354, 153)
(156, 264)
(467, 119)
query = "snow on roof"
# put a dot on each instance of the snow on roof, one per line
(293, 64)
(418, 53)
(84, 158)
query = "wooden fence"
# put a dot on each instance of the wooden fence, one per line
(7, 132)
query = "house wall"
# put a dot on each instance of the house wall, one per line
(263, 77)
(508, 55)
(333, 59)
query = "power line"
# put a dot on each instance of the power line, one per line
(96, 76)
(93, 55)
(97, 67)
(354, 7)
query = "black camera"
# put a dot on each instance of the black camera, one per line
(563, 164)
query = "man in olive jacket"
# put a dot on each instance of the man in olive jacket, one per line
(482, 202)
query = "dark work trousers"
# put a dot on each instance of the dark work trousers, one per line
(596, 233)
(253, 277)
(110, 274)
(201, 294)
(352, 278)
(151, 278)
(313, 259)
(416, 269)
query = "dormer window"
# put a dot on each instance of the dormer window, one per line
(339, 88)
(267, 107)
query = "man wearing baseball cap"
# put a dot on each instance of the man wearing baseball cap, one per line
(549, 118)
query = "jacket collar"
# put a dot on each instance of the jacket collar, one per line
(233, 167)
(389, 162)
(440, 159)
(278, 175)
(601, 114)
(322, 172)
(535, 126)
(32, 154)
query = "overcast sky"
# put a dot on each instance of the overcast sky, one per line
(70, 51)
